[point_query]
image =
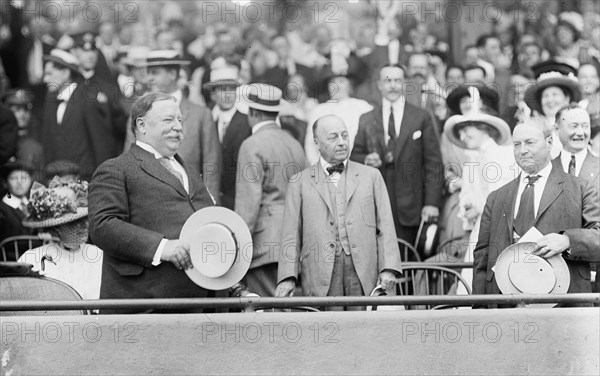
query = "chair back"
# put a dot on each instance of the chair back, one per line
(408, 252)
(13, 247)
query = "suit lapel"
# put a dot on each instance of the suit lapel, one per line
(352, 180)
(509, 202)
(405, 128)
(553, 189)
(318, 181)
(155, 169)
(589, 168)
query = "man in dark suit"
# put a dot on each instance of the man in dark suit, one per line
(200, 146)
(563, 208)
(75, 127)
(399, 139)
(573, 124)
(138, 204)
(232, 126)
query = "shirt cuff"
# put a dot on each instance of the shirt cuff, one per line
(157, 256)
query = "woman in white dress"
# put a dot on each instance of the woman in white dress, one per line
(62, 211)
(490, 166)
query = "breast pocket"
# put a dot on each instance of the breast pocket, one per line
(367, 206)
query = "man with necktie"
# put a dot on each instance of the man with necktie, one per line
(563, 208)
(574, 127)
(338, 231)
(400, 140)
(138, 204)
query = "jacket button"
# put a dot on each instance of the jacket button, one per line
(331, 223)
(331, 245)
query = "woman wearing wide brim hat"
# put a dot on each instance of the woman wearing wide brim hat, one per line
(62, 211)
(491, 165)
(556, 86)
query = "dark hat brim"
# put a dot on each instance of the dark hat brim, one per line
(11, 166)
(533, 94)
(489, 95)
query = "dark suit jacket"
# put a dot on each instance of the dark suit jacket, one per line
(85, 135)
(418, 177)
(237, 131)
(134, 202)
(590, 170)
(567, 205)
(8, 135)
(10, 225)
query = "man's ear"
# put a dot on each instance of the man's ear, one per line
(140, 125)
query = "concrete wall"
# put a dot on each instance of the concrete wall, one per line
(465, 342)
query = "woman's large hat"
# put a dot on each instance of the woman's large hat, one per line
(489, 97)
(518, 271)
(220, 247)
(552, 73)
(57, 205)
(475, 116)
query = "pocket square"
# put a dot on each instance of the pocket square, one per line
(417, 135)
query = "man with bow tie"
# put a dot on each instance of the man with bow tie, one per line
(338, 230)
(563, 208)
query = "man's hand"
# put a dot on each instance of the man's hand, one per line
(430, 213)
(552, 244)
(178, 253)
(373, 160)
(387, 280)
(285, 288)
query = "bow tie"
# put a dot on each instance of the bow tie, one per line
(336, 168)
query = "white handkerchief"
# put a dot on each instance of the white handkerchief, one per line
(533, 235)
(417, 135)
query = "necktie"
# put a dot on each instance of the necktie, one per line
(572, 166)
(391, 126)
(167, 163)
(336, 168)
(60, 110)
(23, 209)
(526, 215)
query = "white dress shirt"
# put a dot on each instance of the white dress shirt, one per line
(565, 159)
(64, 95)
(14, 201)
(398, 108)
(335, 177)
(223, 118)
(538, 188)
(181, 170)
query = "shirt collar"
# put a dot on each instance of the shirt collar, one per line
(258, 126)
(543, 173)
(325, 164)
(398, 104)
(579, 156)
(13, 201)
(226, 115)
(66, 93)
(149, 148)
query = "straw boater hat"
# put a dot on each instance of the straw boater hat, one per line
(56, 206)
(220, 247)
(552, 73)
(159, 58)
(264, 97)
(474, 116)
(517, 271)
(63, 59)
(225, 75)
(19, 97)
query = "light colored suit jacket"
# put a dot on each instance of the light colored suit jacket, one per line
(200, 147)
(309, 235)
(266, 162)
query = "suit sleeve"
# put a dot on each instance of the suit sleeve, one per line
(211, 155)
(585, 242)
(109, 225)
(433, 166)
(481, 252)
(99, 128)
(248, 188)
(360, 149)
(291, 231)
(388, 253)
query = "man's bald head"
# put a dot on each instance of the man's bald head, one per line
(532, 146)
(331, 137)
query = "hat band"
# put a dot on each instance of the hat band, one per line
(265, 102)
(162, 61)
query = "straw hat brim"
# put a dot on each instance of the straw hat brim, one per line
(224, 218)
(214, 84)
(519, 253)
(61, 62)
(162, 63)
(493, 121)
(533, 94)
(53, 222)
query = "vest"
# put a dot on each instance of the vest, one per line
(337, 195)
